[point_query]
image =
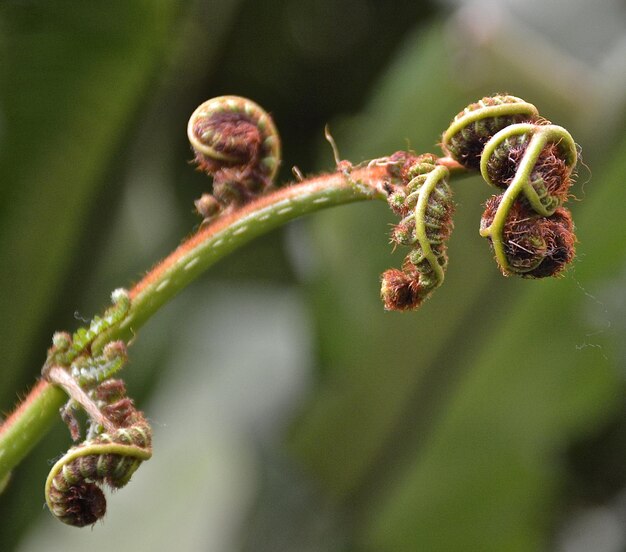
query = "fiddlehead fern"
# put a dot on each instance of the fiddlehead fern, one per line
(72, 489)
(532, 161)
(516, 151)
(531, 245)
(424, 201)
(118, 437)
(478, 122)
(531, 232)
(236, 143)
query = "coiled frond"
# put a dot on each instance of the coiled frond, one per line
(73, 492)
(532, 162)
(118, 437)
(424, 200)
(470, 130)
(235, 142)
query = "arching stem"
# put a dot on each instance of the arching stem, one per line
(37, 412)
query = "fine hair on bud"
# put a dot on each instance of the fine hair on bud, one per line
(473, 127)
(535, 246)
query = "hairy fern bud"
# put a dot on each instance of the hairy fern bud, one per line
(424, 200)
(472, 128)
(533, 246)
(235, 142)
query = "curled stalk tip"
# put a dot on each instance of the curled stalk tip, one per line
(236, 143)
(532, 162)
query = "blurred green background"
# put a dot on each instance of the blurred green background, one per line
(290, 412)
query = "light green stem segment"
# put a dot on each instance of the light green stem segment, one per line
(230, 231)
(94, 450)
(434, 177)
(30, 422)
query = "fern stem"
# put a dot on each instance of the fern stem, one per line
(37, 412)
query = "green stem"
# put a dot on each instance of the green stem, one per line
(433, 179)
(32, 419)
(36, 414)
(231, 231)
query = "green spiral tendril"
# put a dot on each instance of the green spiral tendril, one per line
(72, 488)
(425, 203)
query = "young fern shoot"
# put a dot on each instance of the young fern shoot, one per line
(529, 160)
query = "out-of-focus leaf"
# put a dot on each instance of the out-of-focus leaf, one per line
(72, 76)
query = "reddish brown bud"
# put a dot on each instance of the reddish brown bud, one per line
(535, 246)
(398, 162)
(235, 140)
(400, 291)
(403, 233)
(121, 413)
(110, 390)
(81, 505)
(207, 206)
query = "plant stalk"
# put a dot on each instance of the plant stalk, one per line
(37, 412)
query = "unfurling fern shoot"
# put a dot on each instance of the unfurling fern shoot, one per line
(235, 142)
(73, 492)
(423, 199)
(532, 161)
(527, 159)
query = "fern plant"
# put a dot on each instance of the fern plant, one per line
(528, 160)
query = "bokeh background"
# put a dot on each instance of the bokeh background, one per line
(290, 412)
